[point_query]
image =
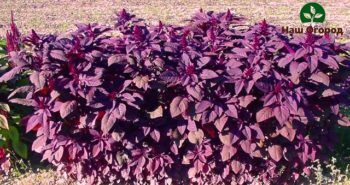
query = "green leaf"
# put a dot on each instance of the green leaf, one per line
(5, 107)
(318, 15)
(16, 118)
(3, 144)
(312, 10)
(21, 149)
(14, 134)
(3, 122)
(2, 42)
(307, 15)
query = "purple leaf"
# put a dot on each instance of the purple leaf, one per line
(178, 106)
(196, 137)
(344, 121)
(155, 134)
(96, 149)
(228, 139)
(330, 92)
(157, 113)
(169, 76)
(285, 60)
(39, 143)
(58, 55)
(202, 106)
(240, 51)
(281, 113)
(300, 53)
(21, 101)
(247, 146)
(208, 74)
(108, 120)
(288, 133)
(275, 152)
(37, 79)
(10, 74)
(232, 111)
(313, 63)
(220, 123)
(244, 101)
(330, 61)
(33, 121)
(227, 152)
(321, 78)
(195, 92)
(264, 114)
(236, 166)
(239, 86)
(59, 153)
(141, 81)
(67, 108)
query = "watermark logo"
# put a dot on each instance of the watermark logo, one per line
(312, 13)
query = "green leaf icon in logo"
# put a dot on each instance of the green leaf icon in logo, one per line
(313, 13)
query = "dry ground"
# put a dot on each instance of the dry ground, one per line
(49, 16)
(43, 177)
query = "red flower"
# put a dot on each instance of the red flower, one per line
(2, 153)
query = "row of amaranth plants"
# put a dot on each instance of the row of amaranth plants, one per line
(207, 103)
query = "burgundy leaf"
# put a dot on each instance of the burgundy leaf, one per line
(275, 152)
(236, 166)
(228, 139)
(244, 101)
(330, 92)
(321, 78)
(300, 53)
(67, 108)
(232, 111)
(141, 82)
(313, 63)
(281, 113)
(288, 133)
(344, 121)
(247, 146)
(155, 134)
(208, 74)
(202, 106)
(108, 121)
(37, 79)
(264, 114)
(59, 153)
(220, 123)
(39, 144)
(169, 76)
(10, 74)
(285, 60)
(239, 86)
(196, 137)
(178, 106)
(58, 55)
(227, 152)
(157, 113)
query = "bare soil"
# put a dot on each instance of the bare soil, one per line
(49, 16)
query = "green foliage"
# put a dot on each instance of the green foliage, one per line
(342, 149)
(2, 52)
(10, 115)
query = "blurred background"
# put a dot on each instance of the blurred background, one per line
(49, 16)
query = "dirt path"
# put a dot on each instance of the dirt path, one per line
(60, 15)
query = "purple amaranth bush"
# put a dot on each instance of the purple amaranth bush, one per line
(205, 103)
